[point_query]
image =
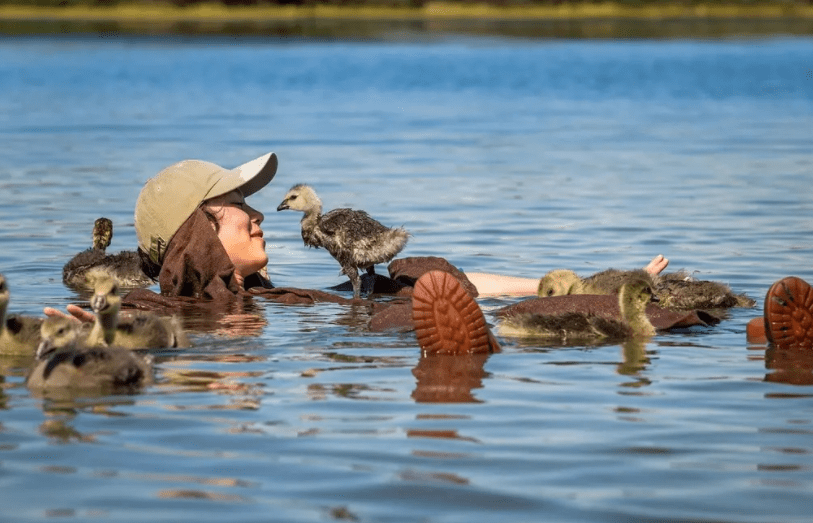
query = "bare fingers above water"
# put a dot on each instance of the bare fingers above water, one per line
(74, 311)
(657, 265)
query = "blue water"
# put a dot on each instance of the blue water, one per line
(512, 156)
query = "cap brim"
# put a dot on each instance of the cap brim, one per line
(249, 177)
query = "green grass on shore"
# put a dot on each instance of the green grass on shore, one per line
(506, 10)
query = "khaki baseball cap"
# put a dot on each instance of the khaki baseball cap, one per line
(171, 196)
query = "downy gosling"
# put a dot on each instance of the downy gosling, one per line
(65, 363)
(674, 291)
(352, 237)
(124, 266)
(137, 330)
(633, 298)
(19, 335)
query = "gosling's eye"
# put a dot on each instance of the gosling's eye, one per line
(550, 292)
(292, 197)
(115, 289)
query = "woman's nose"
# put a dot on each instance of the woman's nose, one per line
(254, 214)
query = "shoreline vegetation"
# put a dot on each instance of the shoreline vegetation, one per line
(389, 19)
(395, 10)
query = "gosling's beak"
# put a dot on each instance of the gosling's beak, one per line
(654, 298)
(43, 349)
(98, 302)
(283, 205)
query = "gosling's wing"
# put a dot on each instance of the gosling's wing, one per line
(143, 330)
(73, 272)
(91, 368)
(147, 330)
(125, 266)
(610, 281)
(700, 294)
(24, 328)
(350, 223)
(362, 240)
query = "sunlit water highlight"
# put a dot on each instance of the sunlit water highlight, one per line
(506, 156)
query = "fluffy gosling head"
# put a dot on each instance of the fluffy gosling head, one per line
(57, 332)
(301, 197)
(559, 282)
(105, 292)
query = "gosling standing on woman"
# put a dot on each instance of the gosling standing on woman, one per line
(352, 237)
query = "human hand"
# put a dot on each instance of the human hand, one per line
(657, 265)
(75, 312)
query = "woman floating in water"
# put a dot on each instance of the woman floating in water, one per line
(204, 244)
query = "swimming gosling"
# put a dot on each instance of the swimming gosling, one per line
(124, 266)
(18, 334)
(139, 330)
(674, 291)
(64, 362)
(562, 282)
(633, 298)
(352, 237)
(60, 332)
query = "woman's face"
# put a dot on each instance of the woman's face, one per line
(239, 231)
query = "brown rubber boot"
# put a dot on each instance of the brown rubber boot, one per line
(789, 313)
(447, 319)
(755, 331)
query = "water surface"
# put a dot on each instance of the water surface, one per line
(513, 156)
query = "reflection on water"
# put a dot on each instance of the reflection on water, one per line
(444, 378)
(634, 360)
(792, 366)
(61, 431)
(506, 155)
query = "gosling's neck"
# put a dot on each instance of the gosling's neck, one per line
(99, 243)
(311, 217)
(309, 224)
(634, 313)
(104, 329)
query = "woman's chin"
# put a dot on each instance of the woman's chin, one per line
(260, 267)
